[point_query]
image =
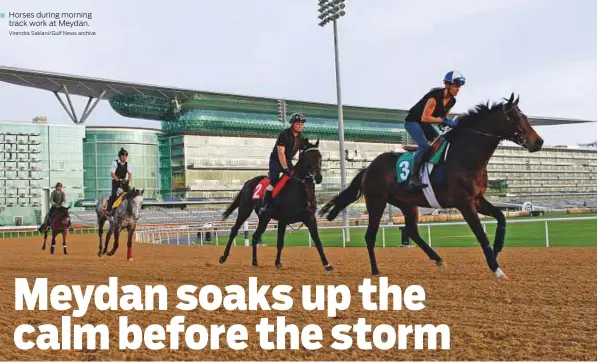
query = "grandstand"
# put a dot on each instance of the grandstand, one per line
(209, 144)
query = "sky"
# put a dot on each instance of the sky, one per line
(391, 53)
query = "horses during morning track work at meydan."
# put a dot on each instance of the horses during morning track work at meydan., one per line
(295, 203)
(59, 223)
(125, 213)
(458, 178)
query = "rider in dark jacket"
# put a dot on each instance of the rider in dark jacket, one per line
(289, 142)
(432, 108)
(121, 177)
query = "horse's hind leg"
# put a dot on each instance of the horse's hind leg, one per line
(243, 214)
(45, 238)
(256, 237)
(100, 233)
(375, 207)
(486, 208)
(411, 217)
(53, 243)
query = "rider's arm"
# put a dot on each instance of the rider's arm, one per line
(281, 156)
(113, 170)
(428, 110)
(52, 202)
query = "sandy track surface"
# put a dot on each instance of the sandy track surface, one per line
(545, 311)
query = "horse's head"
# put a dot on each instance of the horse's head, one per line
(135, 202)
(503, 121)
(310, 162)
(517, 128)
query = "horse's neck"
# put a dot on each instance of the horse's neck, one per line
(474, 150)
(300, 169)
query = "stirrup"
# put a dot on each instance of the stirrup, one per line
(416, 183)
(263, 209)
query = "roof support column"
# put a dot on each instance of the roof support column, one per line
(71, 109)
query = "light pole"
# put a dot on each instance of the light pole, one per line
(331, 11)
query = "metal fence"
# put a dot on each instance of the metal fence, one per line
(189, 235)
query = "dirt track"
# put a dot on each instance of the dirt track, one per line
(545, 311)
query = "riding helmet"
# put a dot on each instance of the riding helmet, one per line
(298, 117)
(123, 152)
(454, 77)
(58, 184)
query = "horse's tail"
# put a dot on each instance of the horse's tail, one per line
(232, 207)
(247, 188)
(344, 199)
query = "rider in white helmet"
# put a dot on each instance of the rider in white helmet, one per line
(432, 108)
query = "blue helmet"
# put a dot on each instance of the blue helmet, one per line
(454, 77)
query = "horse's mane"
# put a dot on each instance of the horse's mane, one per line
(476, 113)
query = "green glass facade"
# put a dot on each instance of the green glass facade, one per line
(100, 149)
(238, 116)
(33, 157)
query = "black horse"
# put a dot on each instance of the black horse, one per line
(464, 179)
(58, 225)
(296, 203)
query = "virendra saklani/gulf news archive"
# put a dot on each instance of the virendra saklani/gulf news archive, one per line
(272, 333)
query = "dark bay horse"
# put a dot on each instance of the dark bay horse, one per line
(58, 225)
(296, 203)
(472, 143)
(125, 216)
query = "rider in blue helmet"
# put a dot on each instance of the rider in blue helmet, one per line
(432, 108)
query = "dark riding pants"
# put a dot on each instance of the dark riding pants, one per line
(422, 134)
(115, 186)
(274, 171)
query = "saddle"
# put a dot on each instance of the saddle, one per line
(434, 147)
(259, 191)
(434, 156)
(117, 202)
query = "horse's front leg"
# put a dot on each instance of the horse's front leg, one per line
(312, 225)
(470, 214)
(64, 242)
(280, 243)
(115, 245)
(130, 243)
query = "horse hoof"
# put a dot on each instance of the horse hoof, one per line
(500, 275)
(43, 248)
(99, 253)
(329, 267)
(130, 259)
(104, 252)
(278, 266)
(222, 260)
(441, 264)
(376, 274)
(254, 265)
(110, 253)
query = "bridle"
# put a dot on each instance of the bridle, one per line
(310, 177)
(517, 137)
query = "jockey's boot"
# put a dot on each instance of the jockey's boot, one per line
(267, 201)
(415, 182)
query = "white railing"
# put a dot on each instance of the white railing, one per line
(188, 235)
